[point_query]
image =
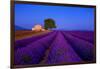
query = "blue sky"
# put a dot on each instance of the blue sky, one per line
(66, 18)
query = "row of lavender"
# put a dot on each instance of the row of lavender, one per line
(55, 48)
(34, 51)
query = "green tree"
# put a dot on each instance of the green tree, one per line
(49, 24)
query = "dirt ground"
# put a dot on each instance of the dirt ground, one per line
(21, 34)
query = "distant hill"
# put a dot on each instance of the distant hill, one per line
(20, 28)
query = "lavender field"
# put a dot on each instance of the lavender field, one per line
(56, 47)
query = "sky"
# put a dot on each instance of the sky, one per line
(65, 17)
